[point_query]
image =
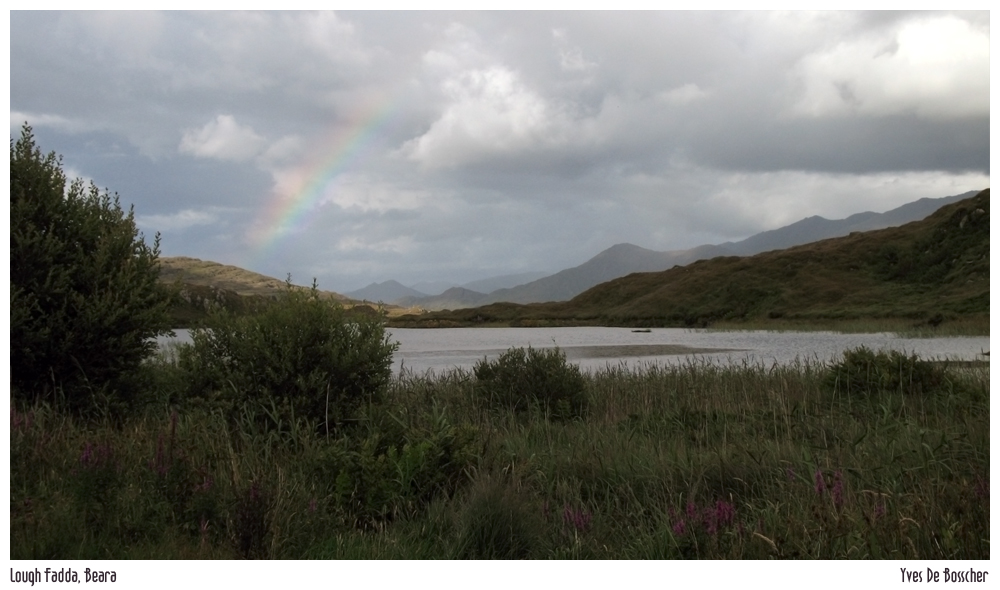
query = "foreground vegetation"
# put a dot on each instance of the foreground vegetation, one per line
(877, 456)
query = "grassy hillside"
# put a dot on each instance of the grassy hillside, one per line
(931, 271)
(202, 285)
(205, 273)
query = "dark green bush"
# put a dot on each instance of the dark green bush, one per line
(863, 371)
(298, 357)
(524, 378)
(84, 299)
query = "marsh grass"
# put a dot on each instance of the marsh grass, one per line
(694, 461)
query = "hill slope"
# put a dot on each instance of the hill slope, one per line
(623, 259)
(205, 273)
(934, 269)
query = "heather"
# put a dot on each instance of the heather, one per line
(874, 456)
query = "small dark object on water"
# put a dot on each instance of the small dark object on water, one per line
(643, 331)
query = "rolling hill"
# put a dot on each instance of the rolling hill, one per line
(201, 285)
(931, 270)
(623, 259)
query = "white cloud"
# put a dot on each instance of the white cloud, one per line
(400, 245)
(40, 120)
(222, 139)
(365, 195)
(286, 150)
(330, 34)
(570, 56)
(491, 112)
(934, 67)
(685, 94)
(176, 221)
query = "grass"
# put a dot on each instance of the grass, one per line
(694, 461)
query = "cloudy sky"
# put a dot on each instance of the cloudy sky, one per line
(357, 147)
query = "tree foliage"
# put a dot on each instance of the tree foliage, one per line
(521, 379)
(84, 299)
(300, 356)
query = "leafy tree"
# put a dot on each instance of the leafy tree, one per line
(84, 299)
(298, 356)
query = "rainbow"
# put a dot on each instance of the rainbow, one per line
(287, 213)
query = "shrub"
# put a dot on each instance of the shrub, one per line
(863, 371)
(297, 357)
(523, 378)
(84, 299)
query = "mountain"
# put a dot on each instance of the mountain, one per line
(454, 298)
(429, 287)
(451, 297)
(932, 270)
(614, 262)
(387, 292)
(504, 281)
(623, 259)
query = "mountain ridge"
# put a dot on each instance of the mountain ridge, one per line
(611, 263)
(928, 271)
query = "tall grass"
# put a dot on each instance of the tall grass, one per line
(693, 461)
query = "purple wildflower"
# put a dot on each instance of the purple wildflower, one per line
(679, 527)
(721, 515)
(579, 519)
(724, 512)
(312, 505)
(838, 489)
(820, 483)
(711, 524)
(790, 473)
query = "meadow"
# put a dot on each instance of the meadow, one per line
(874, 457)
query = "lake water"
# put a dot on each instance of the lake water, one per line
(594, 348)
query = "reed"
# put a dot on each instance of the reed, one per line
(692, 461)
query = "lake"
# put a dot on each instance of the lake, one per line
(596, 347)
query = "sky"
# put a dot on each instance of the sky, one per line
(358, 147)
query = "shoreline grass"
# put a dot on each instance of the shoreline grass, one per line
(666, 462)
